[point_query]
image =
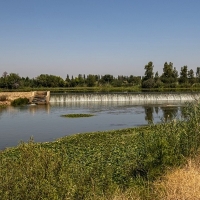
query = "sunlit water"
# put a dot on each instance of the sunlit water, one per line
(44, 123)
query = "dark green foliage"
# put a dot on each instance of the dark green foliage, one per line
(183, 75)
(150, 83)
(77, 115)
(19, 102)
(148, 71)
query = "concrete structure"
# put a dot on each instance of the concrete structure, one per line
(40, 97)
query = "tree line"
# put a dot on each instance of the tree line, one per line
(170, 78)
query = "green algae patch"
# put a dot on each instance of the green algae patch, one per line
(77, 115)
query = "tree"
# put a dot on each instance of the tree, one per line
(170, 75)
(5, 74)
(45, 80)
(148, 81)
(198, 75)
(107, 79)
(158, 82)
(183, 75)
(148, 71)
(191, 78)
(13, 81)
(90, 80)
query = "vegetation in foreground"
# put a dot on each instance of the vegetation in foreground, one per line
(77, 115)
(101, 165)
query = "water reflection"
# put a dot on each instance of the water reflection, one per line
(169, 113)
(34, 108)
(149, 113)
(44, 123)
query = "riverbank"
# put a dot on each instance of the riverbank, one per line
(100, 165)
(102, 89)
(7, 97)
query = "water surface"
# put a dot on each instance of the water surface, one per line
(43, 122)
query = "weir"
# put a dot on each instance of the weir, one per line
(122, 97)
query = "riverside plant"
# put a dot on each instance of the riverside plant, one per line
(99, 165)
(20, 101)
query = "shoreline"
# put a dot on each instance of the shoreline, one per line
(10, 96)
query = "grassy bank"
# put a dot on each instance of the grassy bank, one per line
(102, 89)
(100, 165)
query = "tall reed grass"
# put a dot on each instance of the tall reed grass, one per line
(100, 165)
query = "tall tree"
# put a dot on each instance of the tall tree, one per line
(198, 75)
(147, 80)
(191, 78)
(183, 75)
(90, 80)
(169, 75)
(148, 71)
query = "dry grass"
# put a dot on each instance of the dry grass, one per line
(181, 184)
(178, 184)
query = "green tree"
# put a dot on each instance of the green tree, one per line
(183, 75)
(45, 80)
(148, 71)
(198, 75)
(13, 81)
(90, 80)
(170, 75)
(191, 78)
(148, 81)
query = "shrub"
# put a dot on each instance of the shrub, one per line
(20, 102)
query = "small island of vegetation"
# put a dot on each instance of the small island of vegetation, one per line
(77, 115)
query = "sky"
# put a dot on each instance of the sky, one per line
(117, 37)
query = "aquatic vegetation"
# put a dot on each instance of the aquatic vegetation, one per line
(77, 115)
(20, 102)
(100, 165)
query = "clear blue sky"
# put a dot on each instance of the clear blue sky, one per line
(117, 37)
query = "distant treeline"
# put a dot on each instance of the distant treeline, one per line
(170, 78)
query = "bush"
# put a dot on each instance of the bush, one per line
(20, 102)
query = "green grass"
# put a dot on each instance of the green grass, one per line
(96, 165)
(77, 115)
(104, 89)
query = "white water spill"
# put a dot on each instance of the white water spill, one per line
(44, 122)
(136, 98)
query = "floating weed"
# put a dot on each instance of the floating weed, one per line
(77, 115)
